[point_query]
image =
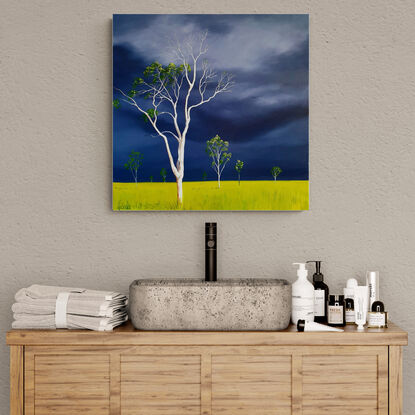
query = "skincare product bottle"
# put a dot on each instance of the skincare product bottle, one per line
(349, 311)
(303, 325)
(321, 295)
(348, 292)
(372, 281)
(361, 298)
(378, 317)
(336, 311)
(302, 296)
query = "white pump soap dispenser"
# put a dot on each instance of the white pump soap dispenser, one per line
(302, 296)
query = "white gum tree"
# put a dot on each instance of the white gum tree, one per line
(217, 150)
(167, 95)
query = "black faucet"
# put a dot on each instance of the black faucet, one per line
(210, 252)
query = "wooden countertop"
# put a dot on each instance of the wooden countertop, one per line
(127, 335)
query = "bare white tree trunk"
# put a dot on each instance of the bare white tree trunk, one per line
(134, 172)
(180, 170)
(179, 182)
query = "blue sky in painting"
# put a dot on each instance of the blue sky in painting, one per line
(264, 117)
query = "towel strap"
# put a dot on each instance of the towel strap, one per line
(60, 310)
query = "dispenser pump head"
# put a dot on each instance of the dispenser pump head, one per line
(317, 276)
(302, 271)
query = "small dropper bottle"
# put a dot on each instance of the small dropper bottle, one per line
(321, 295)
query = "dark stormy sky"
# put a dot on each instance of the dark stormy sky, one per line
(264, 117)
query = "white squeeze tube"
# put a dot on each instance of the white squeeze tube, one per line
(361, 299)
(304, 325)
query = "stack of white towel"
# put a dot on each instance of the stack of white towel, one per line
(48, 307)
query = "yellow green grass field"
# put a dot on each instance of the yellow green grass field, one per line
(249, 195)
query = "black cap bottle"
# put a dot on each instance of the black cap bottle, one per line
(321, 295)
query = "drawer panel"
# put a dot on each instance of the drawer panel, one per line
(70, 384)
(247, 384)
(160, 384)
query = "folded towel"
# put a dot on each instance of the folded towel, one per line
(47, 322)
(36, 307)
(94, 308)
(39, 292)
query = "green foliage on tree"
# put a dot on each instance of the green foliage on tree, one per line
(151, 113)
(133, 164)
(153, 74)
(217, 150)
(167, 73)
(204, 175)
(151, 179)
(238, 167)
(163, 174)
(275, 171)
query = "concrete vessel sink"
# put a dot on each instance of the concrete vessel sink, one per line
(193, 304)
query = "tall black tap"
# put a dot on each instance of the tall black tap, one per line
(210, 252)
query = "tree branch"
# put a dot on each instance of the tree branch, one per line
(153, 123)
(169, 132)
(224, 85)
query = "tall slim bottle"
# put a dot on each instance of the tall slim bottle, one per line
(321, 295)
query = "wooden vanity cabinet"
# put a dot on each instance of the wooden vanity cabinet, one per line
(129, 372)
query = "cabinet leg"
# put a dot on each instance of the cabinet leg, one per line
(16, 380)
(395, 380)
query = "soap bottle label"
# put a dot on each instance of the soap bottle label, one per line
(303, 306)
(335, 314)
(377, 319)
(319, 303)
(350, 316)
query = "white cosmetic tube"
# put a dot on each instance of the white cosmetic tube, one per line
(372, 281)
(303, 325)
(361, 300)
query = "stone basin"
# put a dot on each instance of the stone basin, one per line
(225, 305)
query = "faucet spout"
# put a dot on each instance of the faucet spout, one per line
(210, 252)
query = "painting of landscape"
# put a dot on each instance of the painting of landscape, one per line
(210, 112)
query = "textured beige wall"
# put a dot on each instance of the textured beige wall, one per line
(57, 226)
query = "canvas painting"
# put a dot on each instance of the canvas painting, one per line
(210, 112)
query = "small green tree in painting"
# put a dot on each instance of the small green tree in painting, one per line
(204, 175)
(151, 179)
(134, 163)
(163, 174)
(217, 149)
(238, 167)
(275, 171)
